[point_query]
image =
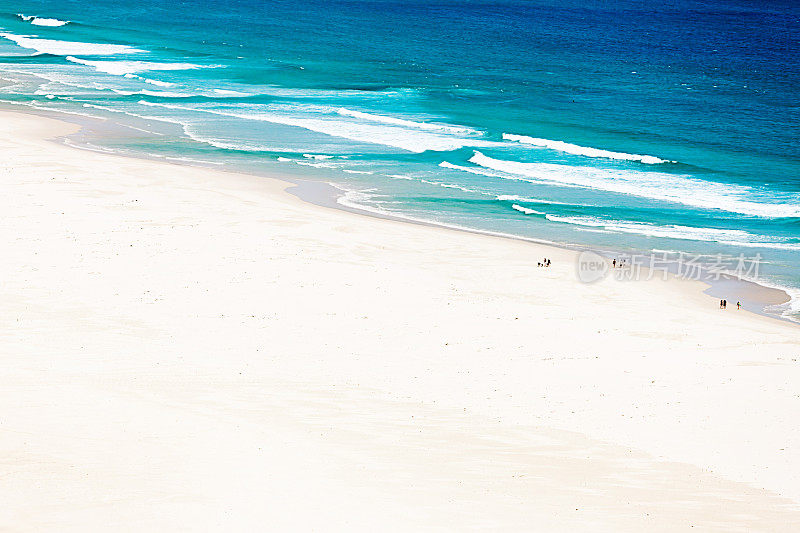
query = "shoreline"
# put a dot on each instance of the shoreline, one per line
(187, 344)
(758, 297)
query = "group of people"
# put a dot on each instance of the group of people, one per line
(619, 263)
(723, 304)
(544, 263)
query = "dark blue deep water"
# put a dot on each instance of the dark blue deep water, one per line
(623, 125)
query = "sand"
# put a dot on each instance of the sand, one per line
(188, 349)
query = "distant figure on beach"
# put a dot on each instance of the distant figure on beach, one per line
(738, 305)
(724, 304)
(721, 303)
(614, 263)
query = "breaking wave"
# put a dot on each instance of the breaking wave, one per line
(574, 149)
(69, 48)
(723, 236)
(653, 185)
(42, 21)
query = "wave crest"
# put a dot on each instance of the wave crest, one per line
(42, 21)
(575, 149)
(525, 210)
(680, 189)
(69, 48)
(458, 130)
(126, 68)
(395, 136)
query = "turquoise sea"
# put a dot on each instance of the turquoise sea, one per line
(667, 128)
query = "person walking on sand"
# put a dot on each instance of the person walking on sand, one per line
(738, 305)
(724, 304)
(720, 304)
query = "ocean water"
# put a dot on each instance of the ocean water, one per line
(637, 126)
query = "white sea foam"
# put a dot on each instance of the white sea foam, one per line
(789, 310)
(525, 210)
(662, 251)
(517, 198)
(103, 108)
(69, 48)
(723, 236)
(562, 146)
(148, 92)
(317, 156)
(449, 186)
(59, 80)
(674, 188)
(456, 130)
(41, 21)
(89, 146)
(48, 22)
(359, 200)
(191, 132)
(477, 170)
(36, 105)
(315, 165)
(366, 202)
(130, 68)
(286, 92)
(437, 183)
(164, 94)
(411, 140)
(157, 83)
(191, 160)
(504, 174)
(393, 136)
(231, 94)
(348, 171)
(136, 115)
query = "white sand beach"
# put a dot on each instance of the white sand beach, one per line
(187, 349)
